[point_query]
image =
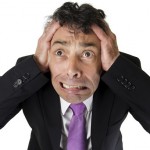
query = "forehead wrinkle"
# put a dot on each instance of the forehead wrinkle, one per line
(67, 40)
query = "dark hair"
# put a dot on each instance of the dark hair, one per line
(79, 17)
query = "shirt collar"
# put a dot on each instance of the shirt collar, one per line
(65, 104)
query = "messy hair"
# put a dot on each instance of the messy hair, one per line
(79, 17)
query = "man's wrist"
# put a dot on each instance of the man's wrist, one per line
(108, 66)
(42, 69)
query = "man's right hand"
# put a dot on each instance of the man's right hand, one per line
(44, 45)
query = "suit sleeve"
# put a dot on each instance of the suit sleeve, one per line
(18, 84)
(127, 80)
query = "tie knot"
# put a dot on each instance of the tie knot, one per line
(78, 108)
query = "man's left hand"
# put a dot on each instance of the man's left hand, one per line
(109, 47)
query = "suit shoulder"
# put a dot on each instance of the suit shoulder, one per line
(132, 58)
(20, 59)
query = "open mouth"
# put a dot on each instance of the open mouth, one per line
(78, 87)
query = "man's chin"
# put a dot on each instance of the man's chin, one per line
(74, 98)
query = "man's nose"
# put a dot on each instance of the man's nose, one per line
(73, 69)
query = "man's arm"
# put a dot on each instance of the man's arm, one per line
(132, 85)
(16, 85)
(125, 77)
(26, 77)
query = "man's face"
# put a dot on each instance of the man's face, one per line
(75, 64)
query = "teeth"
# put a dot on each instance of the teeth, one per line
(71, 86)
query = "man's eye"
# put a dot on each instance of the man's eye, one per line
(88, 54)
(59, 53)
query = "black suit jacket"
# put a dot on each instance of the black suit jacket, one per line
(123, 88)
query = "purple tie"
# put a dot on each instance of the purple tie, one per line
(77, 130)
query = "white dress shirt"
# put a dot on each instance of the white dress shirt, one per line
(67, 114)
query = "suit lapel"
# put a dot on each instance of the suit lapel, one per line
(52, 115)
(102, 105)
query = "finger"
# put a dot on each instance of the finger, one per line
(46, 28)
(49, 25)
(51, 29)
(107, 28)
(99, 32)
(102, 35)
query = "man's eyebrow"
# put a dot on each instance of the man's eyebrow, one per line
(88, 44)
(60, 42)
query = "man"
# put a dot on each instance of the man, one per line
(77, 61)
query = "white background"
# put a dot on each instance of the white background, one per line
(21, 24)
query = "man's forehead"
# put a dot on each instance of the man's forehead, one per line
(65, 31)
(68, 35)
